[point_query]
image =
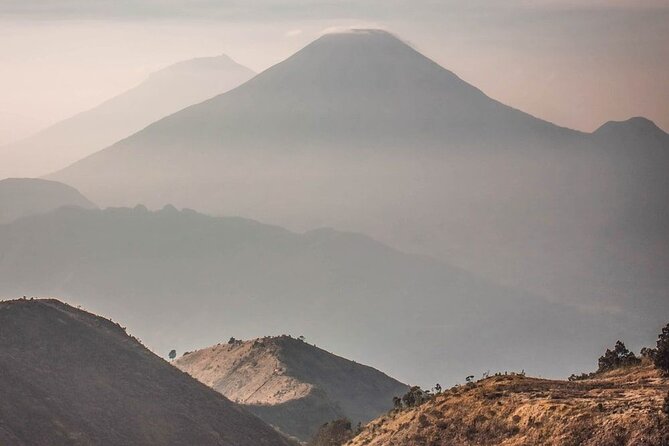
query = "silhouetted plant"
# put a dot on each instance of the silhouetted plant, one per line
(582, 376)
(648, 353)
(173, 354)
(661, 357)
(620, 356)
(397, 403)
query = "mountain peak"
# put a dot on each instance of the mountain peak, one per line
(268, 374)
(637, 125)
(361, 42)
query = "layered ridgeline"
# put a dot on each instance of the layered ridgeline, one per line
(20, 197)
(292, 385)
(622, 408)
(164, 92)
(72, 378)
(181, 279)
(361, 132)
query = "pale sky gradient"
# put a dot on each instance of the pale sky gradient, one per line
(576, 63)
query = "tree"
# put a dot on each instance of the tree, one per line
(648, 353)
(414, 397)
(173, 354)
(232, 341)
(397, 402)
(661, 357)
(620, 356)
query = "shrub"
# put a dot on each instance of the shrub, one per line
(582, 376)
(616, 358)
(661, 357)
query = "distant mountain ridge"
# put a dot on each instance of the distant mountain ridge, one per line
(72, 378)
(292, 385)
(164, 92)
(20, 197)
(182, 279)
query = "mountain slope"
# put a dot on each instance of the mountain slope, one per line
(20, 197)
(622, 408)
(164, 92)
(182, 279)
(72, 378)
(291, 384)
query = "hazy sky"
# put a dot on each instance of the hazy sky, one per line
(578, 63)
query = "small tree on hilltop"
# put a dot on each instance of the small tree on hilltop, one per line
(661, 356)
(616, 358)
(173, 354)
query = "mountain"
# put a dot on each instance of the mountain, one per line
(69, 377)
(360, 131)
(622, 408)
(25, 196)
(292, 385)
(164, 92)
(15, 126)
(353, 91)
(182, 279)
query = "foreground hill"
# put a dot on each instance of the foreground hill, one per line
(68, 377)
(292, 385)
(182, 279)
(360, 131)
(20, 197)
(164, 92)
(620, 408)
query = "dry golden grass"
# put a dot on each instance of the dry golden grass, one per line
(620, 408)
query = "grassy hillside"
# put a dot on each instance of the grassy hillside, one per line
(621, 408)
(291, 384)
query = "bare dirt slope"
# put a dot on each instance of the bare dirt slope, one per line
(68, 377)
(293, 385)
(621, 408)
